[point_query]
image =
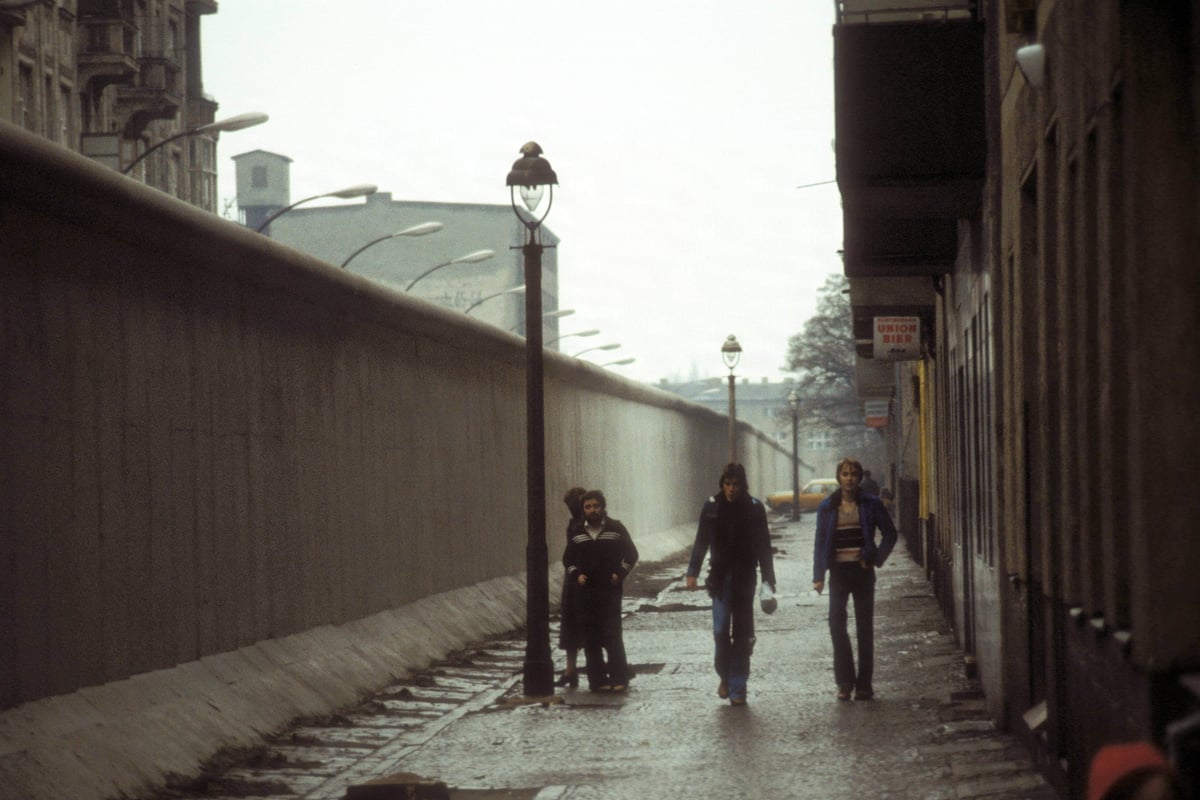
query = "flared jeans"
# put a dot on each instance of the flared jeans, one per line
(851, 580)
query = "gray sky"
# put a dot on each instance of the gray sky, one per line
(679, 130)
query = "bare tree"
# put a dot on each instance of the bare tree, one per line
(822, 355)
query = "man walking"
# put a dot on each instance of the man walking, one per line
(599, 555)
(733, 526)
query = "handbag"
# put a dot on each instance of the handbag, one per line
(766, 599)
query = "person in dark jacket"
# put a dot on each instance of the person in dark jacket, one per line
(845, 547)
(868, 485)
(733, 532)
(598, 558)
(570, 640)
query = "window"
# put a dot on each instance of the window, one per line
(820, 440)
(258, 177)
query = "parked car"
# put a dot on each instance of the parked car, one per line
(811, 495)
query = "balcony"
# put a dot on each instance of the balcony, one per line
(106, 52)
(911, 146)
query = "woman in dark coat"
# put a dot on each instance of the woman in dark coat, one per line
(569, 638)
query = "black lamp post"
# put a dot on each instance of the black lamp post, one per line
(793, 401)
(530, 176)
(731, 353)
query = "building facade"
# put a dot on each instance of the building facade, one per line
(439, 267)
(112, 79)
(1020, 178)
(763, 404)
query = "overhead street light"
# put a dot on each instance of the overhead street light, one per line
(358, 190)
(512, 290)
(469, 258)
(731, 353)
(531, 176)
(416, 230)
(592, 332)
(562, 312)
(601, 347)
(620, 363)
(237, 123)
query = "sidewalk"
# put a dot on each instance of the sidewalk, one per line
(925, 736)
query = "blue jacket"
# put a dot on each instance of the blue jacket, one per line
(874, 518)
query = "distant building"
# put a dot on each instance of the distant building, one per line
(111, 79)
(485, 289)
(763, 404)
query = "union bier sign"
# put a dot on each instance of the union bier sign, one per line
(897, 338)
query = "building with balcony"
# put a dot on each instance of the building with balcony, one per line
(112, 79)
(1019, 183)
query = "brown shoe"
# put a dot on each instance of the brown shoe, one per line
(738, 701)
(722, 690)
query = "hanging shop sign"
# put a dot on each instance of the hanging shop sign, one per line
(876, 413)
(897, 338)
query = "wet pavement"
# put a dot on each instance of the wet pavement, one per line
(464, 722)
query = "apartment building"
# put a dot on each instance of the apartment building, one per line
(114, 79)
(1019, 181)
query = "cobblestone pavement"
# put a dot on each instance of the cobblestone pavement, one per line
(926, 736)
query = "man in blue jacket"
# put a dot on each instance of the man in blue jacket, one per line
(845, 547)
(733, 525)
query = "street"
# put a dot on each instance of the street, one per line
(926, 736)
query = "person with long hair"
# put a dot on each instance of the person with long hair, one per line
(733, 526)
(845, 547)
(569, 638)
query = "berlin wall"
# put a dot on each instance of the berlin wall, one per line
(210, 441)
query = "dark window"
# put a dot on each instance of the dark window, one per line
(258, 177)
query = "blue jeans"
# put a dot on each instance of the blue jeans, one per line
(733, 633)
(849, 580)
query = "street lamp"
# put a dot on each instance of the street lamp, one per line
(513, 290)
(793, 401)
(530, 176)
(469, 258)
(416, 230)
(601, 347)
(562, 312)
(620, 363)
(591, 332)
(236, 123)
(731, 353)
(358, 190)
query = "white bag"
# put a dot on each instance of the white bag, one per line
(766, 599)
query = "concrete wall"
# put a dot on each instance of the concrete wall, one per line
(209, 441)
(239, 484)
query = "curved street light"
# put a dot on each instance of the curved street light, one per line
(613, 346)
(236, 123)
(591, 332)
(469, 258)
(562, 312)
(416, 230)
(620, 363)
(513, 290)
(358, 190)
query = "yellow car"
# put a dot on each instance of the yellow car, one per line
(811, 495)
